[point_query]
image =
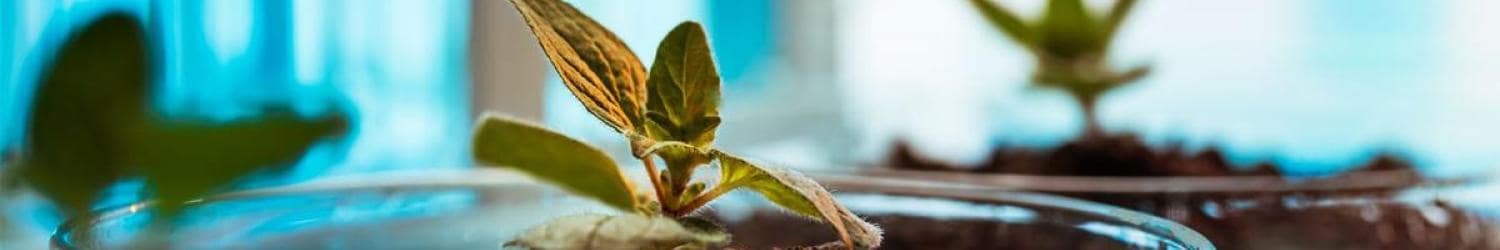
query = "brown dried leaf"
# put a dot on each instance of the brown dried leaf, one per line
(594, 64)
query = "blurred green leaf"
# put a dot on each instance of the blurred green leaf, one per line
(91, 124)
(684, 103)
(1117, 15)
(630, 231)
(186, 159)
(1005, 20)
(549, 156)
(799, 194)
(75, 138)
(594, 64)
(1067, 30)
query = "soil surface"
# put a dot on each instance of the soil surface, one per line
(774, 229)
(1343, 219)
(1121, 155)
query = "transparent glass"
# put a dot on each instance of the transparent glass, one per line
(480, 209)
(1382, 209)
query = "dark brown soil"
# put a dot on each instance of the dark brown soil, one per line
(1343, 219)
(771, 229)
(1122, 155)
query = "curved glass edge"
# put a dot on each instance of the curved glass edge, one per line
(1151, 223)
(491, 178)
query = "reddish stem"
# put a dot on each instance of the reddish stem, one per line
(655, 176)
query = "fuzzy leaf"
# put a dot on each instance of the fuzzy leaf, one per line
(596, 231)
(684, 102)
(594, 64)
(799, 194)
(549, 156)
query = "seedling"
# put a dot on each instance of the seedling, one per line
(91, 124)
(1070, 45)
(670, 114)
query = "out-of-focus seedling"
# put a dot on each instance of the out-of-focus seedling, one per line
(671, 114)
(1070, 45)
(91, 124)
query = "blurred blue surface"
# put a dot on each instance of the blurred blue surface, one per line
(398, 67)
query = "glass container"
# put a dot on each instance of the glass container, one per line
(474, 209)
(1378, 209)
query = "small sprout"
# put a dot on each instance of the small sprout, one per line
(1070, 45)
(671, 114)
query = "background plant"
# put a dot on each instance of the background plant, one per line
(1071, 45)
(670, 114)
(91, 124)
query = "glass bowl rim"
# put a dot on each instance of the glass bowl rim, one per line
(836, 182)
(1363, 180)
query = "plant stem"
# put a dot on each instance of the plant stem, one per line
(655, 176)
(681, 172)
(701, 200)
(1091, 128)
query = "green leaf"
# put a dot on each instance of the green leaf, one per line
(798, 194)
(596, 231)
(549, 156)
(1005, 20)
(684, 102)
(91, 124)
(594, 64)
